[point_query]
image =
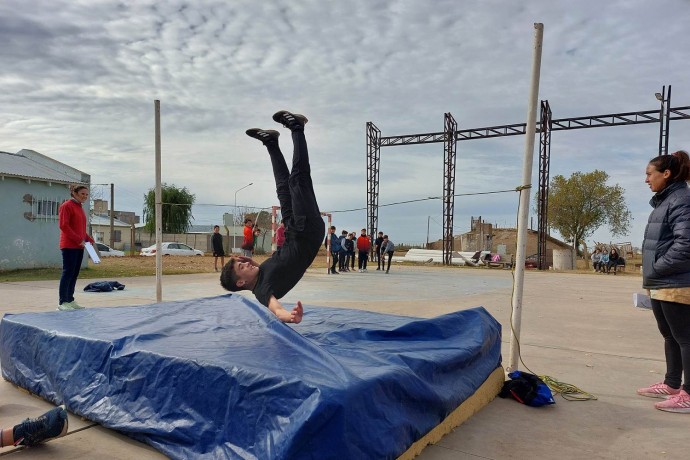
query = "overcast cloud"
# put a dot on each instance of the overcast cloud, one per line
(79, 80)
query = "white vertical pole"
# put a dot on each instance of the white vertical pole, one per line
(523, 211)
(159, 206)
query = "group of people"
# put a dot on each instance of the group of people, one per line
(342, 250)
(250, 235)
(603, 261)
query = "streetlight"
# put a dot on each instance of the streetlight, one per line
(234, 221)
(664, 117)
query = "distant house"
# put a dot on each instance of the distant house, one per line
(484, 236)
(122, 232)
(32, 187)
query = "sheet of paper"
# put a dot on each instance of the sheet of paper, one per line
(92, 253)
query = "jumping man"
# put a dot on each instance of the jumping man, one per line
(277, 275)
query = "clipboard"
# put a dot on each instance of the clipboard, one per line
(92, 253)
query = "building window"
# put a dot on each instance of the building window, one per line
(118, 236)
(47, 208)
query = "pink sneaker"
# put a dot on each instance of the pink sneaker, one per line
(679, 403)
(658, 390)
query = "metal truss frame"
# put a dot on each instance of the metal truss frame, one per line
(373, 170)
(375, 141)
(449, 157)
(543, 192)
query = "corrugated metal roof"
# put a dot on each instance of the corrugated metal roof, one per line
(97, 219)
(28, 164)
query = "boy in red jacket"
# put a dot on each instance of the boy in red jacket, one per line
(363, 248)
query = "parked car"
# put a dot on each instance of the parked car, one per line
(172, 249)
(107, 251)
(532, 261)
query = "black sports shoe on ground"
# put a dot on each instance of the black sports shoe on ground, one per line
(52, 424)
(264, 135)
(290, 120)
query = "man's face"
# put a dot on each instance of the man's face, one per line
(248, 223)
(364, 233)
(245, 272)
(216, 229)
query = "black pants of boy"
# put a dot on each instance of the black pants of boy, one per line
(334, 258)
(390, 256)
(362, 260)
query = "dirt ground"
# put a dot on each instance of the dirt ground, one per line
(142, 266)
(176, 264)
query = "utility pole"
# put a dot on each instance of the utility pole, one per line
(427, 231)
(112, 215)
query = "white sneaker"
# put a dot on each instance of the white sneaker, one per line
(66, 306)
(76, 306)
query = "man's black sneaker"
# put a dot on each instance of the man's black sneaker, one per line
(52, 424)
(264, 135)
(290, 120)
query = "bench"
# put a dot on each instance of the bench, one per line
(505, 263)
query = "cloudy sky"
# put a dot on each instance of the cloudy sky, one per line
(80, 76)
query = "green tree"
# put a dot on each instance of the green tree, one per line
(176, 206)
(581, 204)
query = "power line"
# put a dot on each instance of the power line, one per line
(424, 199)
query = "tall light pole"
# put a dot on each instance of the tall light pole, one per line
(234, 220)
(664, 118)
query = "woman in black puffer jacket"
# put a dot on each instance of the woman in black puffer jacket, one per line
(666, 274)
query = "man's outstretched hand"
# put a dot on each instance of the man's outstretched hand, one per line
(297, 313)
(294, 316)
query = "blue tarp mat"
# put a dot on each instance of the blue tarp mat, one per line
(221, 377)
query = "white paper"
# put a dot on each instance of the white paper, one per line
(642, 301)
(92, 253)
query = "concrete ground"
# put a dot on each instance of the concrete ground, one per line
(578, 328)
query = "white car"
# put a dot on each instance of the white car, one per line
(107, 251)
(172, 249)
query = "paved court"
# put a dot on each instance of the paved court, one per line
(578, 328)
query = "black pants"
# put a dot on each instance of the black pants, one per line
(295, 190)
(334, 257)
(673, 320)
(71, 265)
(341, 260)
(362, 260)
(390, 256)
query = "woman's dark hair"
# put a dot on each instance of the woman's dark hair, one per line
(678, 163)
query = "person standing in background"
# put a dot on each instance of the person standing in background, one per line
(280, 234)
(377, 249)
(333, 242)
(255, 238)
(248, 241)
(72, 222)
(387, 249)
(666, 274)
(217, 247)
(363, 248)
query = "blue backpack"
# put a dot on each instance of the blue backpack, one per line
(527, 389)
